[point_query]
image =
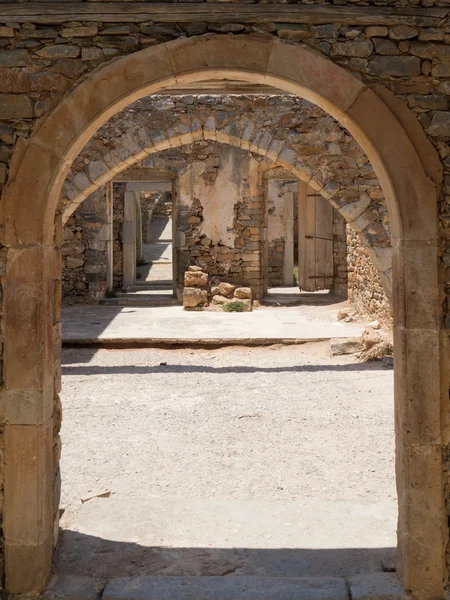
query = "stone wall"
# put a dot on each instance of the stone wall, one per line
(340, 256)
(84, 250)
(283, 128)
(220, 215)
(365, 292)
(407, 54)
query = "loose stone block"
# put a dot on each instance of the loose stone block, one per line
(194, 297)
(226, 289)
(195, 279)
(344, 346)
(243, 293)
(219, 299)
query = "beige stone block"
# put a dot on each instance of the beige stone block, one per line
(243, 293)
(226, 289)
(28, 503)
(28, 318)
(195, 279)
(312, 76)
(422, 526)
(28, 567)
(212, 52)
(417, 385)
(31, 222)
(416, 287)
(398, 168)
(26, 407)
(194, 297)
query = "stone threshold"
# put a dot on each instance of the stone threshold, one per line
(155, 342)
(372, 586)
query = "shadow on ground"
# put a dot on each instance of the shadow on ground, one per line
(176, 368)
(101, 559)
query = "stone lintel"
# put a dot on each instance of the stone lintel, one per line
(41, 12)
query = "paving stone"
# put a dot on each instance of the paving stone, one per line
(339, 347)
(376, 586)
(226, 588)
(71, 587)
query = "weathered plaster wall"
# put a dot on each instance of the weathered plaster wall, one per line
(221, 216)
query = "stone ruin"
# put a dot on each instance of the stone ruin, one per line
(203, 292)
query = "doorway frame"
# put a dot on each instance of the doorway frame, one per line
(31, 303)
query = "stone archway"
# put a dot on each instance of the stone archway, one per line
(357, 212)
(31, 319)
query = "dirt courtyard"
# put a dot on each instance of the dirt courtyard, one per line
(283, 447)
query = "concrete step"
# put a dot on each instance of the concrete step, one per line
(372, 586)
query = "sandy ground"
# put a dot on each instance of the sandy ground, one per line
(274, 422)
(240, 439)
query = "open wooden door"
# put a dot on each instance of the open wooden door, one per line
(315, 248)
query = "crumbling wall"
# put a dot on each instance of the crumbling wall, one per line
(84, 250)
(365, 292)
(220, 216)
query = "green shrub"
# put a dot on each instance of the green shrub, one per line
(110, 294)
(233, 306)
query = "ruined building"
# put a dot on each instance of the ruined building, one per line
(350, 100)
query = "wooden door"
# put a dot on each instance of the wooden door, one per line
(315, 248)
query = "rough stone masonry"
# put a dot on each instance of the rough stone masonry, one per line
(400, 51)
(316, 136)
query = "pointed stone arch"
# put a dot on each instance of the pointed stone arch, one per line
(31, 320)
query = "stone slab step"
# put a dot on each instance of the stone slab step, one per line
(298, 299)
(130, 299)
(150, 287)
(372, 586)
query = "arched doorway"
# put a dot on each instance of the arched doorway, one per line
(31, 326)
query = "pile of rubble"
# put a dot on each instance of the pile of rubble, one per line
(202, 292)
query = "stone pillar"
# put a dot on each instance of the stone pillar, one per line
(110, 236)
(288, 219)
(138, 227)
(27, 405)
(129, 239)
